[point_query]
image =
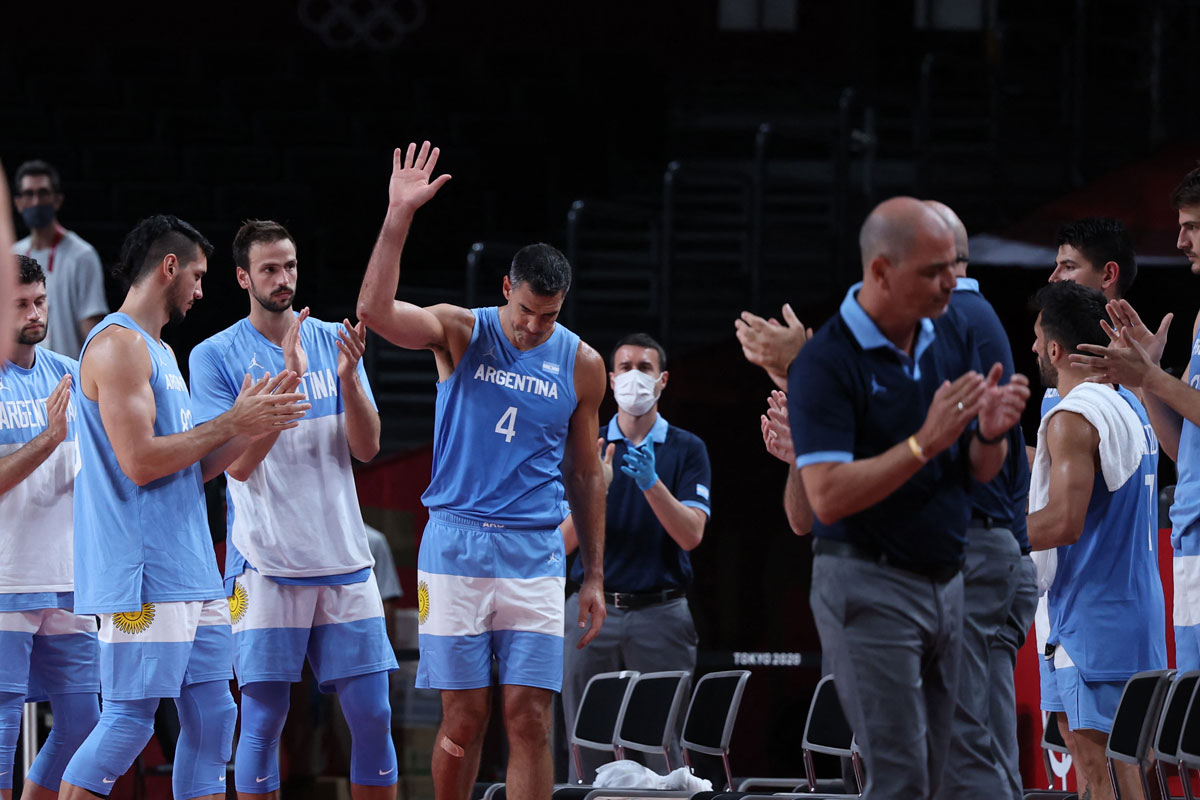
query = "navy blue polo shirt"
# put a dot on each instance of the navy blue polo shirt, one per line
(852, 394)
(1003, 499)
(639, 554)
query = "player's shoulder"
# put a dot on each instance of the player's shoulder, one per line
(221, 343)
(586, 355)
(57, 362)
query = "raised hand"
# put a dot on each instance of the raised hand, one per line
(777, 430)
(351, 343)
(639, 465)
(771, 345)
(411, 186)
(954, 406)
(606, 461)
(56, 411)
(268, 405)
(1125, 318)
(1124, 360)
(294, 357)
(1002, 405)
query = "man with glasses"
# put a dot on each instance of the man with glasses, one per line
(74, 279)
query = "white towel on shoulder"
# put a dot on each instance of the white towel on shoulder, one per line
(1122, 446)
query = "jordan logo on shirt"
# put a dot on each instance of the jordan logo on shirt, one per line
(554, 559)
(3, 386)
(876, 388)
(491, 353)
(254, 363)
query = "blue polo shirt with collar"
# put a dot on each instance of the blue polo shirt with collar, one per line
(852, 394)
(639, 554)
(1002, 499)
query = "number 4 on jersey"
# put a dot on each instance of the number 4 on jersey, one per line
(508, 424)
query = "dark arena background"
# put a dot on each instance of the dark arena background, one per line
(693, 159)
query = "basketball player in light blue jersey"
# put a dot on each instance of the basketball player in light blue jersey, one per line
(1093, 498)
(1133, 358)
(298, 565)
(143, 554)
(514, 442)
(46, 651)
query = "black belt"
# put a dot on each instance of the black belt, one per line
(987, 523)
(834, 547)
(633, 600)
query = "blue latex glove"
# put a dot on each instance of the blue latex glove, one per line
(639, 465)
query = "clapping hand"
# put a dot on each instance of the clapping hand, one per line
(776, 429)
(771, 345)
(639, 465)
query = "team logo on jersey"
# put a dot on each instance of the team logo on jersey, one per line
(238, 602)
(3, 386)
(490, 353)
(876, 386)
(254, 362)
(134, 622)
(422, 602)
(554, 559)
(550, 367)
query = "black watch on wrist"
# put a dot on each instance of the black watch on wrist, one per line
(985, 440)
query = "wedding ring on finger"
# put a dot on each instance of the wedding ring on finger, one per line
(960, 405)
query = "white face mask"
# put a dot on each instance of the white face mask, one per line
(636, 392)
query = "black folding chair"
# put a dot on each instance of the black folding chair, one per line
(826, 731)
(1134, 725)
(1170, 726)
(652, 714)
(601, 710)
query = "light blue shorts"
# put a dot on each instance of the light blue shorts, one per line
(163, 647)
(487, 592)
(48, 651)
(1091, 705)
(339, 628)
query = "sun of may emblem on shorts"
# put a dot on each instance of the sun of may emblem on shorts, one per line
(134, 622)
(238, 602)
(422, 602)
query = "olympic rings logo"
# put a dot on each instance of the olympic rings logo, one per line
(378, 24)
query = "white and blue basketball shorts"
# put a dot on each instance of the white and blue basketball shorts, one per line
(1091, 705)
(487, 592)
(339, 628)
(157, 650)
(1185, 568)
(48, 651)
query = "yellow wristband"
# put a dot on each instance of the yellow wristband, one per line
(915, 447)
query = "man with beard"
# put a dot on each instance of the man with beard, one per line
(1092, 499)
(143, 554)
(47, 651)
(1132, 359)
(298, 566)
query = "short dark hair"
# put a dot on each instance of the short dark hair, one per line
(1187, 193)
(29, 271)
(639, 340)
(256, 231)
(37, 166)
(1101, 240)
(543, 267)
(152, 239)
(1071, 313)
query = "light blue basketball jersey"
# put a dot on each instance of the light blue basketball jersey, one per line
(140, 544)
(35, 539)
(1185, 511)
(501, 427)
(1106, 603)
(296, 517)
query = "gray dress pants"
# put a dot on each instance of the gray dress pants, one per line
(892, 639)
(651, 639)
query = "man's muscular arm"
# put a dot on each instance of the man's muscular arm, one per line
(438, 328)
(583, 479)
(20, 464)
(1073, 444)
(115, 373)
